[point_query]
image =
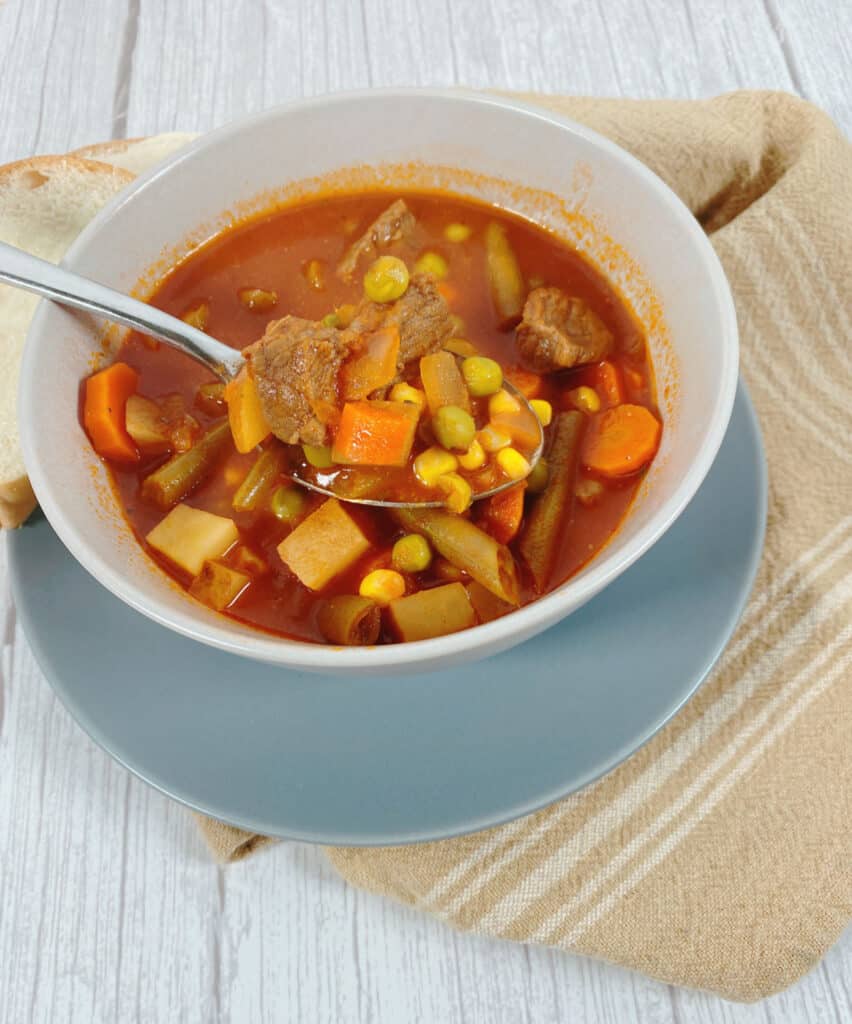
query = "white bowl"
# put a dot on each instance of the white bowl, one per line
(579, 184)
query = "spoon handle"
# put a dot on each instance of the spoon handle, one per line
(21, 270)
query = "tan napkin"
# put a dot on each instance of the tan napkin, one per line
(720, 855)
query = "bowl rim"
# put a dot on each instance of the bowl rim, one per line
(478, 641)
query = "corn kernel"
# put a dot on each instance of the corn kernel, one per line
(473, 458)
(314, 274)
(386, 280)
(483, 376)
(382, 586)
(513, 464)
(460, 347)
(542, 409)
(588, 492)
(198, 316)
(258, 299)
(457, 492)
(539, 475)
(456, 232)
(433, 463)
(406, 393)
(493, 439)
(319, 456)
(411, 553)
(345, 314)
(585, 399)
(503, 402)
(434, 264)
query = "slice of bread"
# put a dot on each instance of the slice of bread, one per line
(44, 204)
(135, 155)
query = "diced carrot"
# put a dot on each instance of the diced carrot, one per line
(245, 413)
(375, 433)
(621, 440)
(522, 427)
(104, 412)
(502, 513)
(529, 384)
(373, 366)
(608, 381)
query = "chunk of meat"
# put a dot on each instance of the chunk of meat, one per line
(421, 316)
(395, 224)
(296, 368)
(558, 332)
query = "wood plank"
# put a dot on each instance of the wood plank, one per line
(58, 67)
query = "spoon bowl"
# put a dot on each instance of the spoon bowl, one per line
(22, 270)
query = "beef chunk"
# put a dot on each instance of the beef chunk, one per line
(395, 224)
(421, 316)
(296, 365)
(558, 332)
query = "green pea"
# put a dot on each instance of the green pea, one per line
(453, 428)
(288, 504)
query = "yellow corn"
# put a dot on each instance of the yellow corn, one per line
(585, 399)
(457, 492)
(345, 314)
(314, 274)
(434, 264)
(474, 457)
(260, 299)
(382, 586)
(411, 553)
(503, 402)
(542, 409)
(434, 463)
(319, 456)
(460, 347)
(456, 232)
(589, 492)
(197, 316)
(493, 439)
(513, 464)
(406, 393)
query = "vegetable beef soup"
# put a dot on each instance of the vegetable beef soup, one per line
(389, 343)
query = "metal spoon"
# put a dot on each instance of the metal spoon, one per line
(22, 270)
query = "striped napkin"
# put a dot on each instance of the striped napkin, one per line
(720, 855)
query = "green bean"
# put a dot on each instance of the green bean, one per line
(259, 480)
(350, 620)
(470, 549)
(504, 275)
(545, 522)
(184, 472)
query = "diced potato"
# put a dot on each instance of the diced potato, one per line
(146, 424)
(190, 536)
(218, 586)
(373, 366)
(443, 381)
(430, 613)
(323, 545)
(244, 559)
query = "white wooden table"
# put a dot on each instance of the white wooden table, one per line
(110, 908)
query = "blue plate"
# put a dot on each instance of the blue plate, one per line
(406, 758)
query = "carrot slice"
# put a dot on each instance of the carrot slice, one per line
(608, 379)
(621, 440)
(104, 412)
(375, 433)
(245, 413)
(502, 513)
